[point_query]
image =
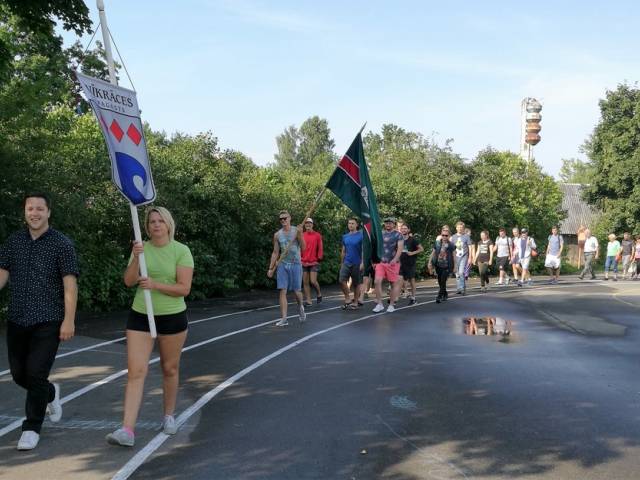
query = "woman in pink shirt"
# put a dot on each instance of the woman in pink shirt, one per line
(311, 258)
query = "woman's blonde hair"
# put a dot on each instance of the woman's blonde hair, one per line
(165, 215)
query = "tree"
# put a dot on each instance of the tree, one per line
(506, 191)
(37, 17)
(614, 153)
(574, 170)
(316, 145)
(287, 143)
(310, 146)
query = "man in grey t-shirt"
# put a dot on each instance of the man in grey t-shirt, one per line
(462, 256)
(555, 244)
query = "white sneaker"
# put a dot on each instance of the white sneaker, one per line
(282, 323)
(28, 440)
(121, 437)
(54, 409)
(303, 314)
(391, 308)
(378, 308)
(169, 426)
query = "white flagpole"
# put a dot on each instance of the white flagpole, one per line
(134, 211)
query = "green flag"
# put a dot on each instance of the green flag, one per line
(351, 183)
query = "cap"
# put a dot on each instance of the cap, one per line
(309, 220)
(389, 219)
(524, 230)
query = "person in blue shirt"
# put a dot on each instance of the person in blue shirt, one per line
(352, 265)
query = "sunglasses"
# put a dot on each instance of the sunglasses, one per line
(444, 235)
(282, 219)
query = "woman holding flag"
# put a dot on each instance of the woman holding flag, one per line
(170, 267)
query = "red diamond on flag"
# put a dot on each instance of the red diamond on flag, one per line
(134, 134)
(116, 130)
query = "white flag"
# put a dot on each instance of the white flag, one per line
(117, 111)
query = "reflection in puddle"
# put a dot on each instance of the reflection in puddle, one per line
(486, 326)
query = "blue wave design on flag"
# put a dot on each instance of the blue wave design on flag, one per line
(129, 167)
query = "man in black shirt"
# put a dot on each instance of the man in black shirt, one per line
(412, 247)
(40, 266)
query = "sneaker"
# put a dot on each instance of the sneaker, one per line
(499, 284)
(308, 304)
(319, 299)
(507, 281)
(615, 279)
(282, 323)
(580, 277)
(121, 437)
(378, 308)
(54, 409)
(606, 278)
(391, 308)
(520, 283)
(302, 314)
(439, 299)
(458, 292)
(169, 426)
(28, 440)
(412, 300)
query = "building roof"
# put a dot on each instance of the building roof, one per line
(578, 211)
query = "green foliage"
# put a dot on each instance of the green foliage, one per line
(574, 170)
(309, 147)
(36, 18)
(614, 153)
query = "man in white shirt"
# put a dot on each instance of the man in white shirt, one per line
(591, 253)
(503, 249)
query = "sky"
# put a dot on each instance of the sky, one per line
(247, 69)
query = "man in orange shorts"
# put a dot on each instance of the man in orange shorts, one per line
(389, 266)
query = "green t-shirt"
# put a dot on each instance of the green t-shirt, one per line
(161, 266)
(613, 248)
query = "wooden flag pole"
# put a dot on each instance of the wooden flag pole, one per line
(310, 211)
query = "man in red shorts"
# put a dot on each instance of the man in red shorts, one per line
(389, 266)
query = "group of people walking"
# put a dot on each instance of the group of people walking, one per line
(625, 253)
(297, 253)
(40, 265)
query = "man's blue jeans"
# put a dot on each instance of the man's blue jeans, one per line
(460, 264)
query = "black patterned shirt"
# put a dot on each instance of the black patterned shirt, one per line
(36, 268)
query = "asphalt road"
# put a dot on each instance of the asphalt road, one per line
(355, 395)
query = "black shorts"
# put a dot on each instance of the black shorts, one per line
(350, 271)
(165, 324)
(503, 263)
(407, 271)
(310, 268)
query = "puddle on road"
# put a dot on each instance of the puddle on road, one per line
(488, 326)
